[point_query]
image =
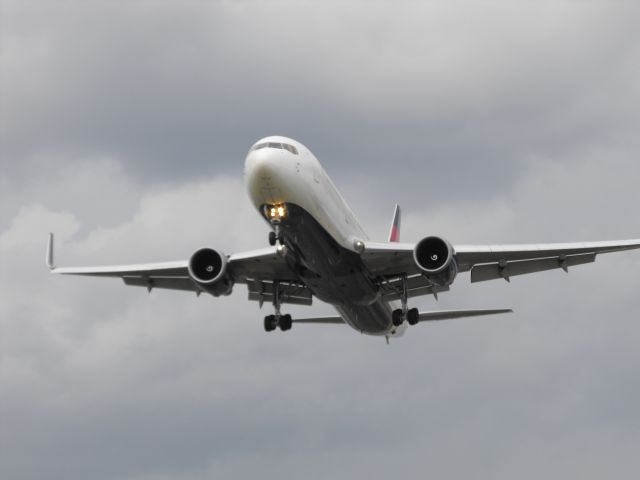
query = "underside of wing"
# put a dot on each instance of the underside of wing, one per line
(488, 262)
(167, 275)
(287, 292)
(261, 270)
(417, 285)
(506, 261)
(468, 256)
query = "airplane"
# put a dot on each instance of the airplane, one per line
(317, 248)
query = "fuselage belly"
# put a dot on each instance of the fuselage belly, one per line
(318, 231)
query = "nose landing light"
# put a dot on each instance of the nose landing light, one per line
(275, 212)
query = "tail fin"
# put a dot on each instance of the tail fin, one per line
(394, 232)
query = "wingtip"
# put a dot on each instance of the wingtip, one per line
(49, 258)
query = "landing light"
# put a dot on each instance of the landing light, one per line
(276, 212)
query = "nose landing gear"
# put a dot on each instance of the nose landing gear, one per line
(275, 214)
(275, 236)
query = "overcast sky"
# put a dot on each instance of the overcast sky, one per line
(124, 126)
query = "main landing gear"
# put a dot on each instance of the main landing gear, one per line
(271, 322)
(411, 315)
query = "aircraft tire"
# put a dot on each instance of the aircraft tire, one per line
(269, 323)
(396, 317)
(285, 322)
(413, 316)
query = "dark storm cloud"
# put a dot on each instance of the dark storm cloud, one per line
(124, 126)
(175, 89)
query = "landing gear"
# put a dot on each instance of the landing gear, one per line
(275, 236)
(271, 322)
(285, 322)
(412, 316)
(399, 315)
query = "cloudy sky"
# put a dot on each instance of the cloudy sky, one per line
(124, 126)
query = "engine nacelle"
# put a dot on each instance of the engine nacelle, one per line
(435, 257)
(208, 268)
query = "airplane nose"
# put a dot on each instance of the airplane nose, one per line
(261, 164)
(264, 170)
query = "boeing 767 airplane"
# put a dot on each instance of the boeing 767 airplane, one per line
(318, 249)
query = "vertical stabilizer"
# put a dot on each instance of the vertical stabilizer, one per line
(394, 232)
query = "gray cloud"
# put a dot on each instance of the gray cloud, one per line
(179, 89)
(124, 126)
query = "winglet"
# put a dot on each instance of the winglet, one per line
(50, 263)
(394, 232)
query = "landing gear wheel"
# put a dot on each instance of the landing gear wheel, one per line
(285, 322)
(413, 316)
(269, 323)
(396, 317)
(272, 238)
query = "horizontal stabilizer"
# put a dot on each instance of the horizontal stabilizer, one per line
(451, 314)
(424, 316)
(334, 319)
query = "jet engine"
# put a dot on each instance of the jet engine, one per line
(435, 257)
(208, 269)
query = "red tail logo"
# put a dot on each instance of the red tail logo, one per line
(394, 232)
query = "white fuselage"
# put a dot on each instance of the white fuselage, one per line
(281, 176)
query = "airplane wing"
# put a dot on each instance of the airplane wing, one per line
(260, 270)
(393, 260)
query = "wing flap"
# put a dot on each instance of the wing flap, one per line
(470, 255)
(289, 292)
(417, 285)
(168, 283)
(506, 270)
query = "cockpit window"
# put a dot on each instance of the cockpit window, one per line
(291, 148)
(281, 146)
